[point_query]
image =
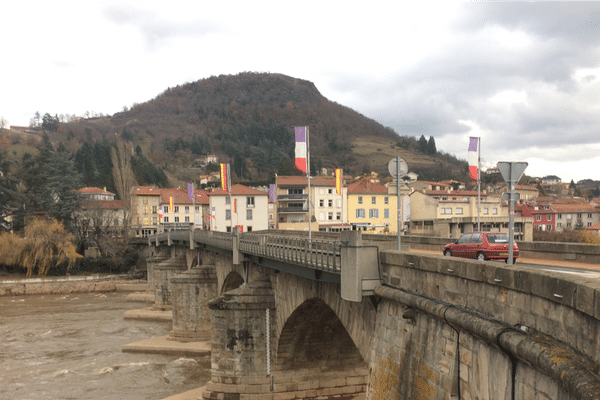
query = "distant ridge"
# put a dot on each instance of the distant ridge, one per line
(248, 118)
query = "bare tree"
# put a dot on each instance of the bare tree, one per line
(123, 177)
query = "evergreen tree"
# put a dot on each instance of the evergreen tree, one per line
(423, 144)
(60, 179)
(431, 149)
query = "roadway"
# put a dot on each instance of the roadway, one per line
(562, 266)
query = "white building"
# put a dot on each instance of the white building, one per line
(244, 207)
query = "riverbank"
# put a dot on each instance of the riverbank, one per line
(18, 285)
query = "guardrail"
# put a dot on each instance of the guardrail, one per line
(316, 253)
(323, 254)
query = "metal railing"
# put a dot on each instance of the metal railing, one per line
(318, 254)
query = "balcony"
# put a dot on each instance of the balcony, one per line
(292, 210)
(292, 197)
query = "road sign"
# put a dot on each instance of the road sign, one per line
(393, 165)
(512, 171)
(507, 196)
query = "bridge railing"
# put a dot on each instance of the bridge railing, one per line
(223, 240)
(318, 254)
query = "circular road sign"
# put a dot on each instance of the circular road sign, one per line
(393, 168)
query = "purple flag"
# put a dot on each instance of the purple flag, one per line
(190, 187)
(272, 193)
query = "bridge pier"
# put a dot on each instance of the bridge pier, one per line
(191, 292)
(241, 342)
(163, 272)
(151, 264)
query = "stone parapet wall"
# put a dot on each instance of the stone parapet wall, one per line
(63, 285)
(457, 324)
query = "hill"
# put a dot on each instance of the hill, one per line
(248, 119)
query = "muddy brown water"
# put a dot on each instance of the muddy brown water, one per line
(69, 347)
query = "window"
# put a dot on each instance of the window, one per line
(145, 209)
(248, 214)
(330, 216)
(475, 238)
(538, 217)
(321, 203)
(154, 221)
(386, 200)
(227, 200)
(154, 209)
(559, 216)
(176, 219)
(329, 203)
(548, 227)
(250, 202)
(386, 213)
(166, 220)
(248, 229)
(459, 210)
(146, 221)
(360, 213)
(549, 217)
(486, 211)
(494, 211)
(187, 219)
(568, 224)
(339, 216)
(166, 209)
(330, 191)
(227, 214)
(296, 191)
(187, 209)
(590, 215)
(559, 225)
(589, 224)
(359, 199)
(176, 209)
(373, 213)
(197, 208)
(579, 215)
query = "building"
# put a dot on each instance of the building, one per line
(94, 193)
(450, 214)
(327, 211)
(575, 216)
(243, 207)
(151, 210)
(370, 207)
(99, 212)
(185, 212)
(144, 213)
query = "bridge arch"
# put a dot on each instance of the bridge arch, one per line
(358, 319)
(233, 280)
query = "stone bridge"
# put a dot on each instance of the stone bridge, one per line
(351, 317)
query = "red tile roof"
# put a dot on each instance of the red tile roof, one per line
(366, 186)
(103, 204)
(93, 190)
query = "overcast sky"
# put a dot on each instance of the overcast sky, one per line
(525, 77)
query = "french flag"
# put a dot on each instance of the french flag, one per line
(301, 134)
(473, 158)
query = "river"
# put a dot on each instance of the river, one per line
(69, 347)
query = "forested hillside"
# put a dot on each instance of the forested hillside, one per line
(248, 120)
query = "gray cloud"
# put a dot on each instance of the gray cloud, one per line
(156, 29)
(457, 83)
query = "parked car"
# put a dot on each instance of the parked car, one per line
(481, 246)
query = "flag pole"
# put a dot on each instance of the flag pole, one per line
(308, 179)
(479, 184)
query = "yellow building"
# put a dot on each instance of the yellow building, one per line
(371, 208)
